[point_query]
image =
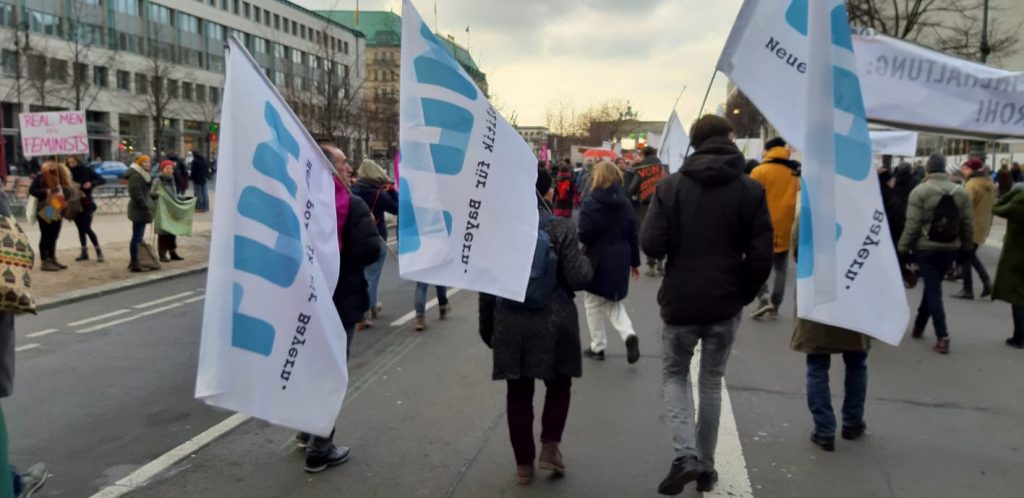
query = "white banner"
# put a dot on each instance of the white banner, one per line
(894, 142)
(848, 275)
(273, 345)
(675, 144)
(467, 202)
(910, 85)
(53, 133)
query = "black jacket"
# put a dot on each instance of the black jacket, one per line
(712, 223)
(608, 229)
(633, 181)
(361, 246)
(83, 174)
(200, 169)
(380, 200)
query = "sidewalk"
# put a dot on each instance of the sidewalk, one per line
(114, 232)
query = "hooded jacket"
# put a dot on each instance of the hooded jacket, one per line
(360, 247)
(982, 191)
(608, 229)
(1009, 285)
(781, 179)
(712, 223)
(921, 208)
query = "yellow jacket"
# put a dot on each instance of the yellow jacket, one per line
(982, 191)
(782, 185)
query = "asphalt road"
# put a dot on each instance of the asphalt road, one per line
(424, 419)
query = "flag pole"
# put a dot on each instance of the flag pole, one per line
(680, 97)
(702, 105)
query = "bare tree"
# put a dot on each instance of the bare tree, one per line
(745, 117)
(161, 77)
(560, 117)
(607, 120)
(953, 26)
(83, 40)
(46, 76)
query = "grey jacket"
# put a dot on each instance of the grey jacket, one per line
(920, 209)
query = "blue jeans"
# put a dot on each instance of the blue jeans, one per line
(421, 297)
(819, 395)
(202, 197)
(373, 274)
(933, 266)
(780, 263)
(138, 233)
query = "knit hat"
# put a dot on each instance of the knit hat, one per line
(369, 170)
(936, 164)
(141, 159)
(165, 163)
(974, 164)
(543, 182)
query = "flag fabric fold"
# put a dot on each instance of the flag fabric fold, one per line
(847, 274)
(675, 144)
(467, 201)
(273, 345)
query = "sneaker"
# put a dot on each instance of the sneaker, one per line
(524, 474)
(1015, 343)
(336, 456)
(941, 346)
(444, 310)
(825, 443)
(593, 355)
(33, 479)
(652, 271)
(765, 311)
(175, 257)
(421, 324)
(967, 296)
(684, 471)
(375, 311)
(365, 324)
(706, 481)
(302, 439)
(551, 458)
(632, 349)
(49, 266)
(853, 433)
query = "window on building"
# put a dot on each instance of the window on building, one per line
(214, 31)
(87, 34)
(266, 18)
(295, 28)
(9, 61)
(130, 43)
(188, 23)
(41, 22)
(281, 51)
(277, 22)
(215, 63)
(214, 95)
(129, 7)
(302, 30)
(259, 45)
(186, 91)
(36, 67)
(200, 93)
(81, 73)
(224, 5)
(59, 70)
(297, 56)
(246, 10)
(317, 37)
(234, 7)
(172, 88)
(7, 15)
(190, 57)
(345, 49)
(159, 14)
(141, 84)
(99, 76)
(124, 81)
(256, 14)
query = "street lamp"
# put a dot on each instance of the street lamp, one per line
(985, 48)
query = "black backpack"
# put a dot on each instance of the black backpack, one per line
(945, 225)
(543, 272)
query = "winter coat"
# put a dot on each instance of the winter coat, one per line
(635, 180)
(921, 208)
(361, 246)
(84, 174)
(895, 212)
(608, 230)
(812, 337)
(1009, 285)
(565, 191)
(712, 222)
(200, 169)
(1005, 180)
(540, 344)
(906, 180)
(781, 179)
(982, 191)
(380, 200)
(141, 206)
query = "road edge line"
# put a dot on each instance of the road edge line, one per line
(77, 296)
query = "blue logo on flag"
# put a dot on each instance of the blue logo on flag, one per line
(278, 265)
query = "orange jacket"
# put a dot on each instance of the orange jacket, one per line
(782, 185)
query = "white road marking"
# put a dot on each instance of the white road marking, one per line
(408, 317)
(41, 333)
(163, 300)
(733, 477)
(130, 318)
(98, 318)
(27, 347)
(194, 299)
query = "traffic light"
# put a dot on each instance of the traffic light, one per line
(214, 130)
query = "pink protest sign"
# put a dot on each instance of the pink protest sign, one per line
(53, 133)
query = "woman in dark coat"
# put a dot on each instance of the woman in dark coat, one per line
(544, 344)
(608, 230)
(1009, 286)
(141, 206)
(377, 190)
(87, 179)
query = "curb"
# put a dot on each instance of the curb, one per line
(76, 296)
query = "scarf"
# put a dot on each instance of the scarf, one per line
(142, 171)
(342, 198)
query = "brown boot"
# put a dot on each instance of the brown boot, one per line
(524, 474)
(60, 265)
(551, 458)
(942, 346)
(445, 310)
(421, 324)
(48, 265)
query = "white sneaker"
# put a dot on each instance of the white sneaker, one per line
(33, 479)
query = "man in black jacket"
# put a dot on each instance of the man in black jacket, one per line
(200, 174)
(640, 182)
(360, 247)
(712, 223)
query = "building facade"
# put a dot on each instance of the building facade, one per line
(149, 74)
(536, 136)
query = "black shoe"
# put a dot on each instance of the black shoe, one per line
(84, 256)
(175, 257)
(986, 291)
(632, 349)
(968, 296)
(826, 443)
(852, 433)
(589, 353)
(99, 255)
(684, 471)
(302, 439)
(706, 481)
(917, 333)
(1014, 343)
(320, 463)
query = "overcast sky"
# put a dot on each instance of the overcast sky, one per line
(538, 51)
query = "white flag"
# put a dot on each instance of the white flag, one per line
(467, 201)
(675, 144)
(847, 274)
(894, 142)
(273, 345)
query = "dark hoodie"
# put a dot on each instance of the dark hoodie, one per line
(906, 180)
(607, 228)
(712, 223)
